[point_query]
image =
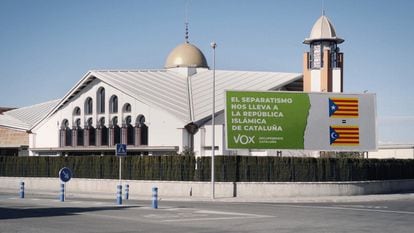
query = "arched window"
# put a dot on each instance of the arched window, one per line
(140, 123)
(76, 111)
(100, 100)
(65, 124)
(130, 130)
(114, 121)
(126, 108)
(104, 132)
(65, 134)
(140, 120)
(92, 132)
(101, 122)
(113, 104)
(78, 123)
(88, 106)
(89, 123)
(79, 133)
(128, 120)
(117, 130)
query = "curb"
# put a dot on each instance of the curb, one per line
(319, 199)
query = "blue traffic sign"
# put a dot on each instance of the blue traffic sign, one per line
(65, 174)
(121, 150)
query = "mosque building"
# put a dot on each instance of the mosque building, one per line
(161, 110)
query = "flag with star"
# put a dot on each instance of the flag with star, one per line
(343, 107)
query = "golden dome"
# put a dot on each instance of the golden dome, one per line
(186, 55)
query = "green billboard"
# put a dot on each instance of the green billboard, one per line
(266, 120)
(300, 121)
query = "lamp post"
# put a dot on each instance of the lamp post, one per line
(213, 46)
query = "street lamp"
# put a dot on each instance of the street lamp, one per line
(213, 46)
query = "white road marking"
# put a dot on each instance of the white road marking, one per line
(350, 208)
(363, 206)
(108, 216)
(212, 219)
(183, 215)
(98, 203)
(230, 213)
(201, 213)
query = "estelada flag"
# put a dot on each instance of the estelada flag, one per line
(343, 107)
(344, 135)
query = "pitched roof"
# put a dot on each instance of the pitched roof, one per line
(188, 99)
(5, 109)
(160, 88)
(24, 118)
(232, 80)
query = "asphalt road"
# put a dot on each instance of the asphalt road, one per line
(45, 215)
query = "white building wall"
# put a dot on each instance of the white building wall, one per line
(336, 80)
(203, 144)
(392, 153)
(47, 135)
(200, 142)
(315, 76)
(163, 128)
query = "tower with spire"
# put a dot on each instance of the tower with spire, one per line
(323, 64)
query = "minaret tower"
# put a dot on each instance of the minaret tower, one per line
(323, 64)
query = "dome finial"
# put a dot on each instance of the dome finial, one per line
(323, 8)
(186, 21)
(186, 54)
(186, 32)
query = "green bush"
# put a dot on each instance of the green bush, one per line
(227, 168)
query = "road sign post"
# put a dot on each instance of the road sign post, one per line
(62, 192)
(120, 150)
(65, 174)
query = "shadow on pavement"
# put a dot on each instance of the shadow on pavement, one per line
(16, 213)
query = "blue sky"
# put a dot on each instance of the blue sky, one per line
(46, 46)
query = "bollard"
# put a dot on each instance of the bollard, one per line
(21, 189)
(119, 195)
(155, 197)
(62, 192)
(126, 191)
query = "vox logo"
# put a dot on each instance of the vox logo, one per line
(243, 139)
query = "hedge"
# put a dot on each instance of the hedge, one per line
(227, 168)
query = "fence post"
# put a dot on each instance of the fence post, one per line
(155, 197)
(21, 192)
